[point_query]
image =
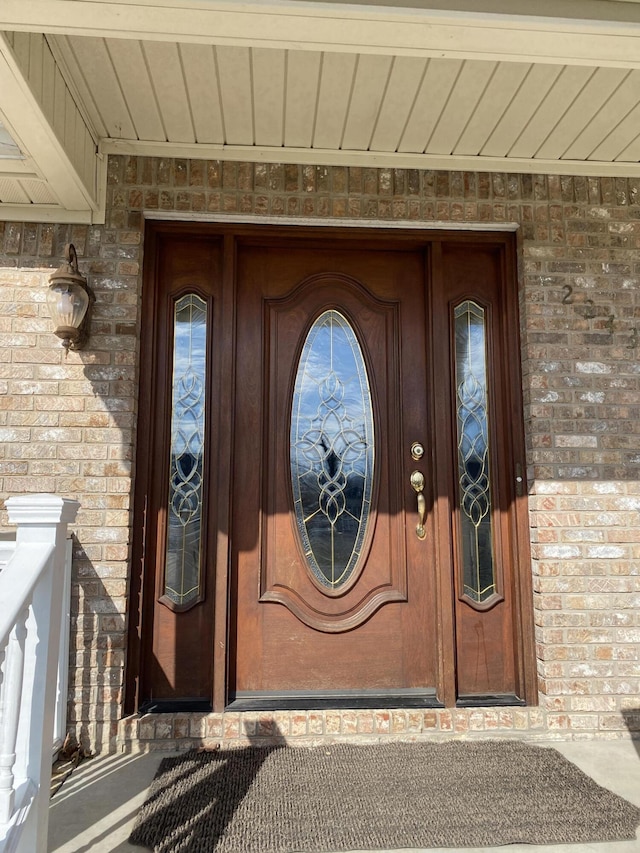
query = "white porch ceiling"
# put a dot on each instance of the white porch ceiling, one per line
(190, 94)
(528, 87)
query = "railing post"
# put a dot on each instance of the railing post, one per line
(60, 724)
(10, 699)
(42, 519)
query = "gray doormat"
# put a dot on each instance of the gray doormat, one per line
(347, 797)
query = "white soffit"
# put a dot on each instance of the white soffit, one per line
(506, 85)
(57, 175)
(201, 100)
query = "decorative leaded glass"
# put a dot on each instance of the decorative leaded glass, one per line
(332, 449)
(184, 520)
(473, 452)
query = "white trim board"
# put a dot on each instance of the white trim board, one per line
(391, 28)
(306, 221)
(371, 159)
(48, 213)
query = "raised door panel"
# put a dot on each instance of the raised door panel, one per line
(334, 433)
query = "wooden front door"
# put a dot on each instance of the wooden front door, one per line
(361, 527)
(314, 615)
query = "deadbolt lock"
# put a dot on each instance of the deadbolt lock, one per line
(417, 451)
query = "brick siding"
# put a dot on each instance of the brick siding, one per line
(67, 424)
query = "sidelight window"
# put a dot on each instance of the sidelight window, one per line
(183, 559)
(474, 479)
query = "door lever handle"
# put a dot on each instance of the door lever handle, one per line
(417, 483)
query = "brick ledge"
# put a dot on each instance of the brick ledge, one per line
(181, 731)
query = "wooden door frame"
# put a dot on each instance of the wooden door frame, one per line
(232, 236)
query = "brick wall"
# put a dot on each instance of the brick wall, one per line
(67, 425)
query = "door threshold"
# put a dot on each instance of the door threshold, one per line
(490, 700)
(175, 706)
(334, 699)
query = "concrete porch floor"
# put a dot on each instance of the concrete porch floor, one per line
(96, 807)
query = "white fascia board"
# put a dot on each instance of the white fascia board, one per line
(45, 213)
(383, 160)
(401, 30)
(36, 136)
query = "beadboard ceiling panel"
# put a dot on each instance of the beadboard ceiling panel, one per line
(201, 79)
(435, 90)
(269, 68)
(404, 81)
(581, 112)
(300, 97)
(620, 103)
(165, 68)
(130, 64)
(198, 94)
(97, 74)
(463, 103)
(521, 109)
(334, 94)
(236, 94)
(381, 84)
(494, 102)
(152, 91)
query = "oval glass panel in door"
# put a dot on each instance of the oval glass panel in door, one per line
(332, 450)
(473, 452)
(183, 558)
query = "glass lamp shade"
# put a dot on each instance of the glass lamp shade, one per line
(68, 302)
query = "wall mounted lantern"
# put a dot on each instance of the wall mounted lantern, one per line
(70, 299)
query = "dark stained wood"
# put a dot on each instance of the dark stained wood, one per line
(226, 406)
(177, 647)
(264, 625)
(485, 634)
(439, 395)
(291, 636)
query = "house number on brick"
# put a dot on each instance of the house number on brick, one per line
(590, 313)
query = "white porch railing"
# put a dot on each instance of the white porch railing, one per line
(7, 550)
(32, 589)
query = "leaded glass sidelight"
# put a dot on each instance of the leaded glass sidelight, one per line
(473, 452)
(183, 559)
(332, 449)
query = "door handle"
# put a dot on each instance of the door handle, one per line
(417, 483)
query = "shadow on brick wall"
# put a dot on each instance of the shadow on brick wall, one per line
(98, 631)
(632, 721)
